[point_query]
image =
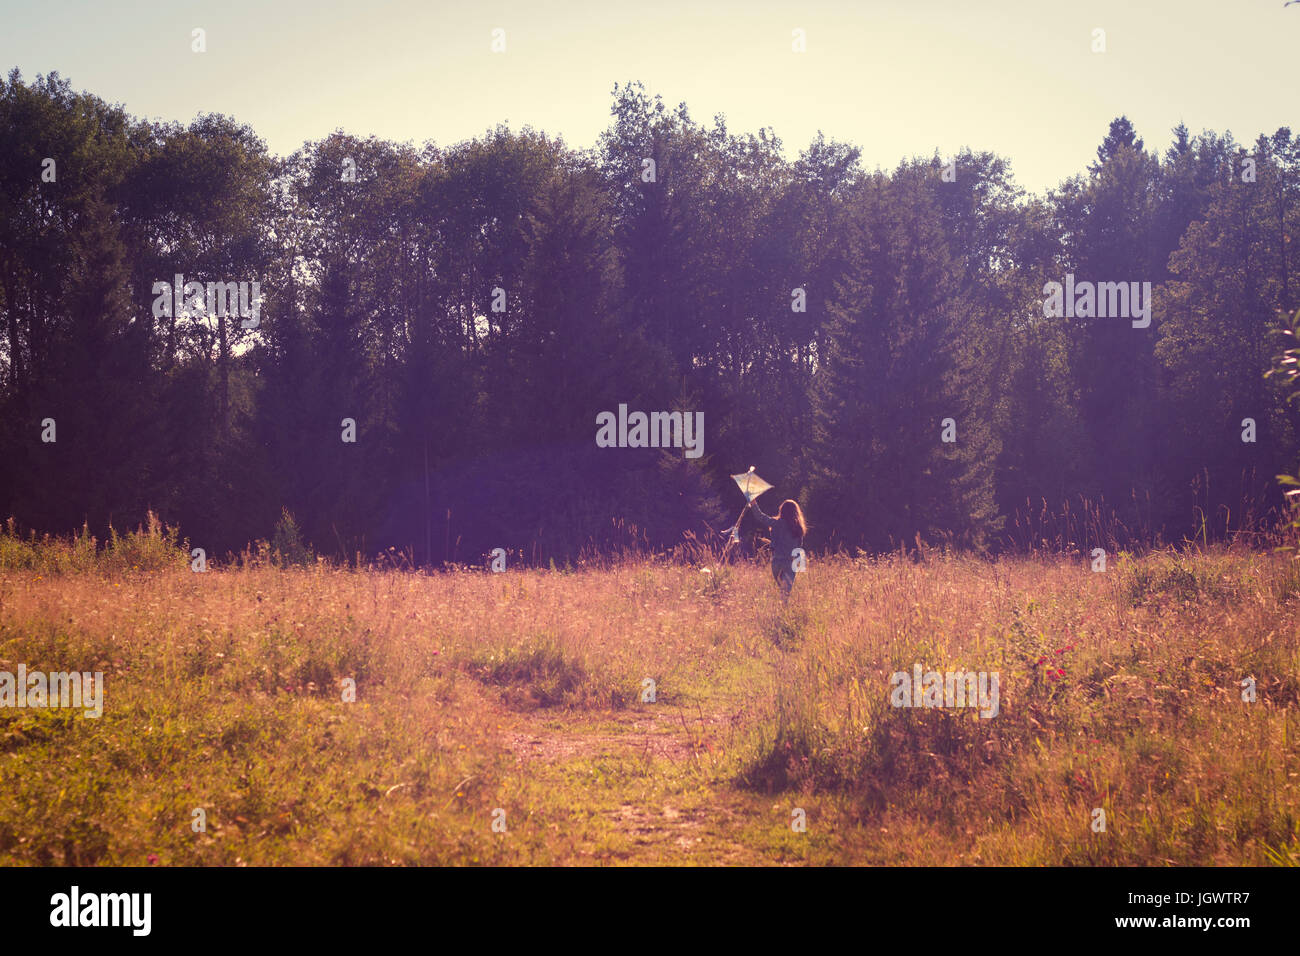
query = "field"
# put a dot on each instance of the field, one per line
(499, 718)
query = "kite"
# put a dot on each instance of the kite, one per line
(751, 486)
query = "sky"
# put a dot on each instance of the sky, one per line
(898, 78)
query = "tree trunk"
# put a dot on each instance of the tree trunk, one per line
(428, 518)
(224, 362)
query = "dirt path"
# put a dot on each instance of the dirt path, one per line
(696, 823)
(671, 734)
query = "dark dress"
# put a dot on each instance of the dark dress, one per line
(783, 546)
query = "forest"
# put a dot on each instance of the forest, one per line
(427, 338)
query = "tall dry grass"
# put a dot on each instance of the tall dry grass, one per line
(1118, 690)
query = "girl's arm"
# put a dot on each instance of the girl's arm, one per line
(765, 519)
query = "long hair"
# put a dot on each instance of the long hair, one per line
(793, 518)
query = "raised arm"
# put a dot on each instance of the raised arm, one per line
(764, 519)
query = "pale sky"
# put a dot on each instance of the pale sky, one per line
(896, 78)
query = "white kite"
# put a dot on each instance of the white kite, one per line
(751, 486)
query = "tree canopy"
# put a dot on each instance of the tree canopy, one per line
(875, 342)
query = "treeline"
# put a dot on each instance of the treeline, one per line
(472, 309)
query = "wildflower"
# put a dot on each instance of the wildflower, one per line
(153, 858)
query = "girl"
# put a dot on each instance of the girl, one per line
(786, 531)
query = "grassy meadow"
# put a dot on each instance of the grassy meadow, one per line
(516, 698)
